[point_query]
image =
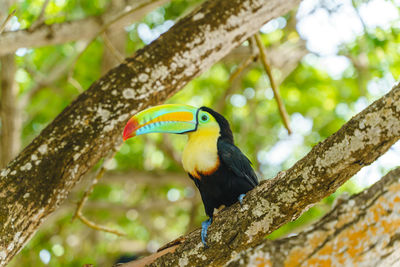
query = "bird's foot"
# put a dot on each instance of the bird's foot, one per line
(240, 198)
(204, 228)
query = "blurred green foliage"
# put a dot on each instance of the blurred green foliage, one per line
(153, 213)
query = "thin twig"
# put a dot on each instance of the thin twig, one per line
(103, 29)
(281, 106)
(89, 190)
(5, 22)
(242, 66)
(238, 72)
(98, 227)
(78, 212)
(363, 73)
(75, 84)
(233, 87)
(112, 49)
(40, 18)
(353, 3)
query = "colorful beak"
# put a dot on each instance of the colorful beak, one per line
(170, 118)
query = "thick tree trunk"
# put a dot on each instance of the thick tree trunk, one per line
(361, 231)
(39, 179)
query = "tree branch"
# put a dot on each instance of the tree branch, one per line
(83, 29)
(364, 230)
(78, 212)
(92, 124)
(9, 112)
(280, 200)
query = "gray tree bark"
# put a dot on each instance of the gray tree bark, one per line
(363, 230)
(40, 177)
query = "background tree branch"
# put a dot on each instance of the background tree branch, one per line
(35, 183)
(11, 122)
(82, 29)
(362, 230)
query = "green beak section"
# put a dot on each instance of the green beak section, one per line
(170, 118)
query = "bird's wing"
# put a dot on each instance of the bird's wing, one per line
(236, 161)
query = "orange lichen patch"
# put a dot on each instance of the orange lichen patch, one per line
(295, 257)
(340, 259)
(355, 239)
(395, 202)
(394, 188)
(387, 226)
(340, 245)
(317, 238)
(345, 219)
(390, 227)
(262, 262)
(371, 232)
(326, 250)
(377, 211)
(319, 262)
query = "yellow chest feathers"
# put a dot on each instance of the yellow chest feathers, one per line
(200, 156)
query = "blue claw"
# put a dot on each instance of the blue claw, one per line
(204, 228)
(240, 198)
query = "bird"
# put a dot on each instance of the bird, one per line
(218, 168)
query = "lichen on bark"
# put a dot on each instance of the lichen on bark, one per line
(363, 230)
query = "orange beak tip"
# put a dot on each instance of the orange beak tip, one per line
(130, 129)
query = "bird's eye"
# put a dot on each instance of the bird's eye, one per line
(204, 117)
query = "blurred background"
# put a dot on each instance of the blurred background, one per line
(330, 59)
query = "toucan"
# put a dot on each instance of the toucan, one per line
(221, 172)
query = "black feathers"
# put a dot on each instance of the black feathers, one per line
(232, 178)
(236, 162)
